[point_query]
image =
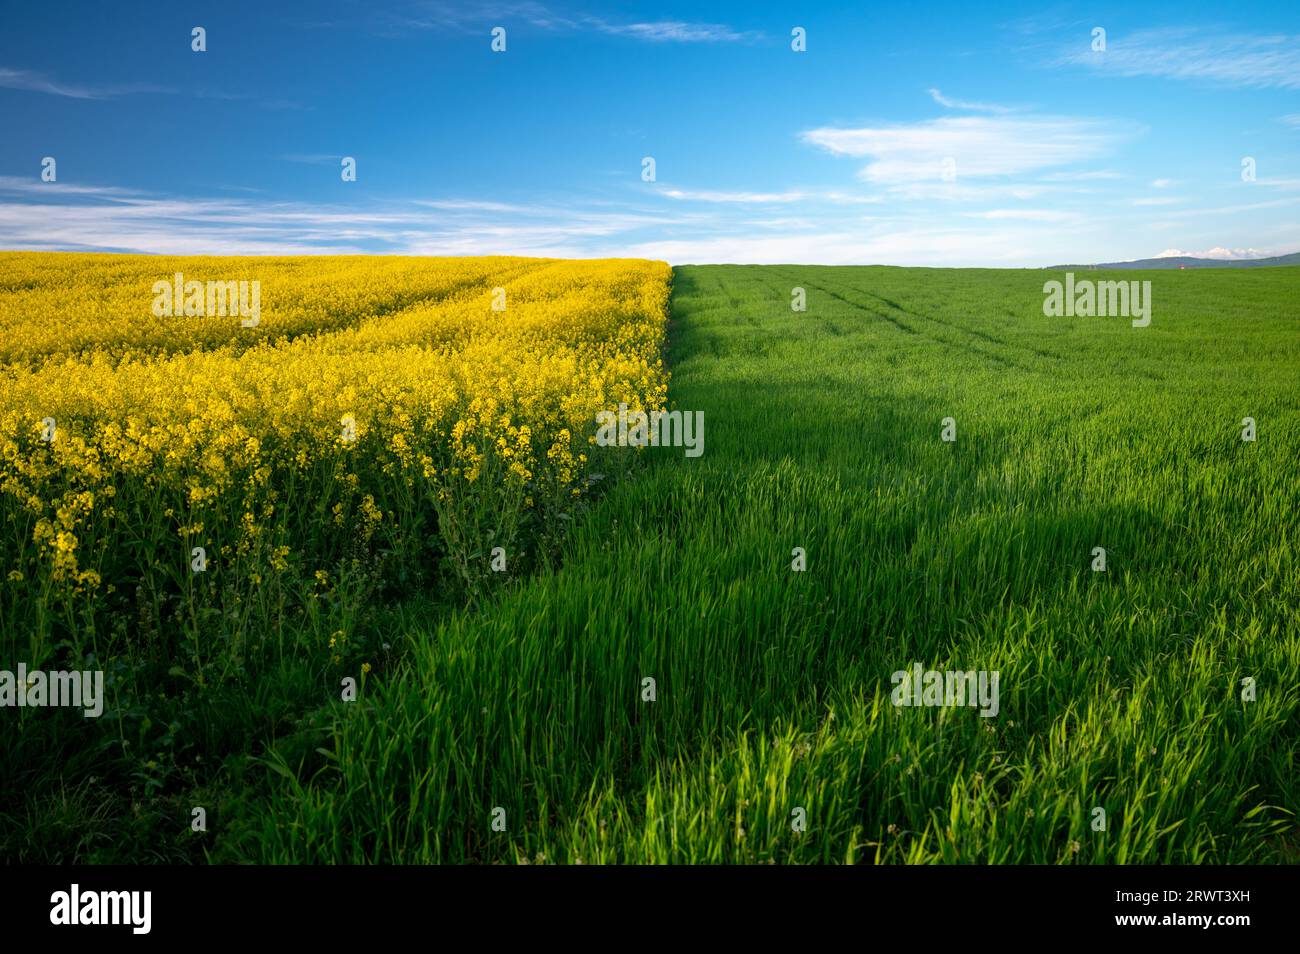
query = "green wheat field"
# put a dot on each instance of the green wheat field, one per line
(510, 723)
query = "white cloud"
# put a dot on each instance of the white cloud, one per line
(39, 83)
(314, 159)
(1226, 254)
(469, 205)
(45, 216)
(1087, 176)
(672, 31)
(738, 197)
(1006, 247)
(943, 100)
(764, 198)
(1163, 200)
(1235, 209)
(34, 186)
(1161, 183)
(980, 146)
(36, 83)
(109, 220)
(1222, 58)
(474, 15)
(1028, 215)
(810, 225)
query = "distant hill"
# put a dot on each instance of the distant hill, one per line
(1183, 261)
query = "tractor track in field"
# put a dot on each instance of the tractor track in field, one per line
(974, 332)
(992, 339)
(992, 356)
(857, 305)
(778, 294)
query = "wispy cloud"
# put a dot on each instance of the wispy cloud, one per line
(33, 82)
(1027, 215)
(17, 185)
(671, 31)
(51, 216)
(765, 198)
(40, 83)
(469, 205)
(265, 103)
(1226, 254)
(737, 197)
(36, 215)
(480, 16)
(1088, 175)
(949, 103)
(888, 245)
(968, 191)
(979, 146)
(312, 158)
(1230, 59)
(1236, 210)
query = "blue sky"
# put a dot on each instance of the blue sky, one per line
(940, 134)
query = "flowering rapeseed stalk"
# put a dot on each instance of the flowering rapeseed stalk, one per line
(378, 404)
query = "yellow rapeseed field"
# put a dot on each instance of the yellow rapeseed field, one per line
(404, 414)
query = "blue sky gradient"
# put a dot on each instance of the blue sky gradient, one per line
(943, 134)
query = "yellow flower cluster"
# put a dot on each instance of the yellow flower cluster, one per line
(58, 305)
(405, 397)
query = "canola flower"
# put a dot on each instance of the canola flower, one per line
(379, 404)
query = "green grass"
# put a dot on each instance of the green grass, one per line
(1119, 690)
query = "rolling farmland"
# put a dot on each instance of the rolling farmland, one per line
(917, 470)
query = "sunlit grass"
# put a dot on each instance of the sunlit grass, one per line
(1120, 691)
